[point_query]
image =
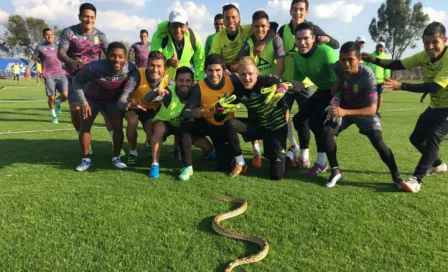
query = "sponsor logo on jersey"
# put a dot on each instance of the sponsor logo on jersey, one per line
(96, 40)
(355, 88)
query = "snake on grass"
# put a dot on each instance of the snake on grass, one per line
(238, 234)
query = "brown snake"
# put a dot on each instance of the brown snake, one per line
(238, 234)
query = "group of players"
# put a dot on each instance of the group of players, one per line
(179, 87)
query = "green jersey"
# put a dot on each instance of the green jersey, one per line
(380, 72)
(171, 112)
(208, 44)
(318, 66)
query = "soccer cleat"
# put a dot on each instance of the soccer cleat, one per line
(441, 169)
(293, 163)
(317, 169)
(132, 160)
(412, 186)
(85, 164)
(119, 164)
(57, 105)
(334, 178)
(154, 171)
(175, 155)
(210, 157)
(237, 170)
(256, 162)
(305, 164)
(398, 183)
(54, 120)
(186, 173)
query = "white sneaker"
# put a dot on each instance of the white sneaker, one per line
(441, 169)
(85, 164)
(119, 164)
(334, 178)
(412, 186)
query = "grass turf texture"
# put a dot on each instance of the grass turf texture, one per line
(55, 219)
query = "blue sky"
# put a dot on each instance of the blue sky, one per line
(122, 19)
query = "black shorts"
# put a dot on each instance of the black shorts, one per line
(144, 116)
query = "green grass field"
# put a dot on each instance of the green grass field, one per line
(55, 219)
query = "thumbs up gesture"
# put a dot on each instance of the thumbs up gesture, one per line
(173, 61)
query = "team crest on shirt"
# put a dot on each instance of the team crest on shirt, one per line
(355, 88)
(96, 40)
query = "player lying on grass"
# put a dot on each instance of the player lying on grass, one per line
(432, 126)
(53, 73)
(268, 116)
(98, 86)
(169, 120)
(355, 102)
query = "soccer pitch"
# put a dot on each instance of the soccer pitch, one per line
(55, 219)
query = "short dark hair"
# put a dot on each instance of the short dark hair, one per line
(350, 47)
(156, 55)
(307, 5)
(261, 14)
(305, 26)
(116, 45)
(144, 31)
(218, 16)
(214, 59)
(184, 70)
(229, 7)
(45, 30)
(434, 28)
(86, 6)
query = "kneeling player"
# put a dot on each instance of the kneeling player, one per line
(98, 86)
(169, 120)
(269, 115)
(355, 102)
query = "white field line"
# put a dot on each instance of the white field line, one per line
(21, 101)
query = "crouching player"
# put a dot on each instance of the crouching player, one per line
(268, 116)
(98, 86)
(169, 120)
(355, 103)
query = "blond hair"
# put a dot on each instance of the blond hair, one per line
(246, 61)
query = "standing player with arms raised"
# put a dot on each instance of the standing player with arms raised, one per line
(53, 73)
(432, 126)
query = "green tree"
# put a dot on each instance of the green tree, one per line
(24, 32)
(399, 25)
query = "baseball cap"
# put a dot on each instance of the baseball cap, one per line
(178, 16)
(382, 44)
(361, 39)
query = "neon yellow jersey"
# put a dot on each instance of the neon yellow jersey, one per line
(221, 44)
(432, 72)
(173, 113)
(16, 69)
(38, 68)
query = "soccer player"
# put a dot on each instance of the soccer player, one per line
(315, 61)
(380, 73)
(299, 11)
(140, 50)
(180, 45)
(79, 45)
(98, 86)
(219, 25)
(16, 71)
(228, 42)
(268, 116)
(169, 120)
(265, 47)
(140, 82)
(39, 72)
(355, 102)
(432, 126)
(53, 73)
(200, 108)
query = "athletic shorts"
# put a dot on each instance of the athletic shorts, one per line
(364, 123)
(144, 116)
(38, 75)
(71, 92)
(379, 88)
(299, 97)
(60, 83)
(108, 106)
